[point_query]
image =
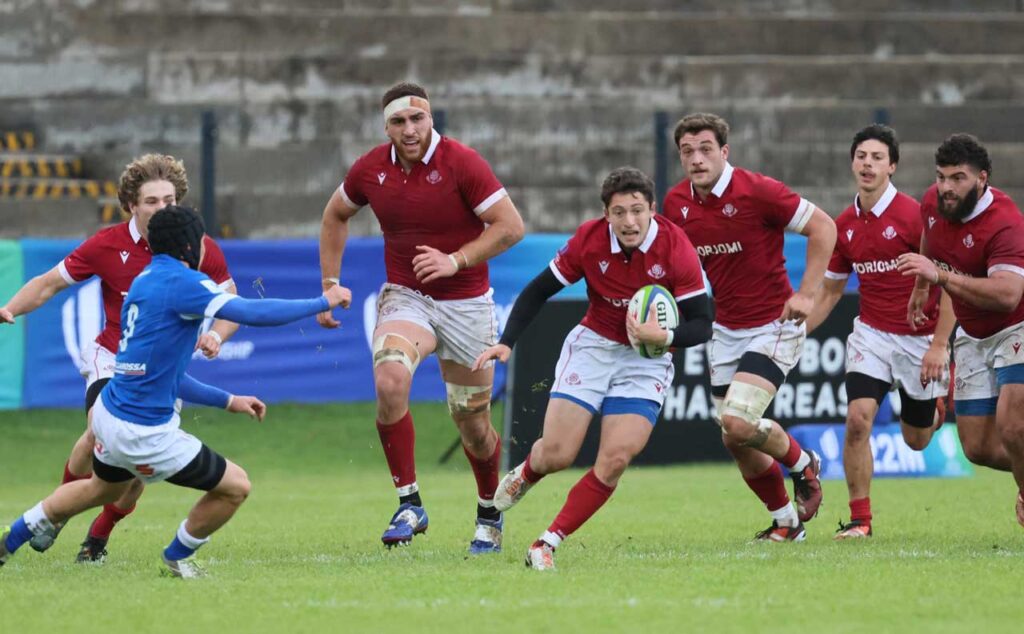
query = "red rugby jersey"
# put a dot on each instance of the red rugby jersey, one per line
(665, 257)
(437, 204)
(990, 239)
(117, 255)
(738, 233)
(869, 242)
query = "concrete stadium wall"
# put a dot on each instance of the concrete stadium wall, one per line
(553, 93)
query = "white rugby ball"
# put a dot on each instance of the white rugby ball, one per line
(656, 298)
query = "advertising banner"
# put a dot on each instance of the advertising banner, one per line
(12, 337)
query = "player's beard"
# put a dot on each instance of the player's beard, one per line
(962, 209)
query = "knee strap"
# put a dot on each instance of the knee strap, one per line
(394, 347)
(468, 399)
(749, 402)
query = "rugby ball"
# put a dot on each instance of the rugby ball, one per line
(653, 298)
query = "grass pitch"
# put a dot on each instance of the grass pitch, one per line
(668, 553)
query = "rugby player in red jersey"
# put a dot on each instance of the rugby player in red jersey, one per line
(883, 352)
(598, 372)
(736, 219)
(117, 255)
(973, 248)
(443, 214)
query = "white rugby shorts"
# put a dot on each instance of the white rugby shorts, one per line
(895, 359)
(592, 368)
(463, 327)
(978, 359)
(97, 363)
(782, 342)
(151, 453)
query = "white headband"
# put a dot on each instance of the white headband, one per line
(409, 101)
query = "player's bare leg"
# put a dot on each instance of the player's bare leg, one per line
(859, 467)
(1010, 422)
(398, 348)
(94, 548)
(80, 460)
(469, 403)
(981, 441)
(623, 436)
(565, 426)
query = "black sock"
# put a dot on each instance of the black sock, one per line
(412, 498)
(487, 513)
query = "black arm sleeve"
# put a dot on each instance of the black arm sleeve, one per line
(528, 304)
(695, 325)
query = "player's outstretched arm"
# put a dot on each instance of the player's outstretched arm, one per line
(194, 391)
(527, 305)
(333, 237)
(254, 407)
(221, 330)
(1000, 292)
(825, 300)
(33, 294)
(937, 356)
(695, 322)
(821, 239)
(276, 312)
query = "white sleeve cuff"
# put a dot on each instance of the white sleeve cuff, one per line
(217, 303)
(832, 275)
(1006, 267)
(64, 274)
(702, 291)
(801, 216)
(558, 274)
(489, 201)
(345, 198)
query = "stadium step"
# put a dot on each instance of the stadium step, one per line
(56, 188)
(17, 140)
(31, 164)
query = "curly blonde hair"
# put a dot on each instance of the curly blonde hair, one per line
(147, 168)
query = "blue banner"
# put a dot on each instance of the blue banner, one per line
(942, 458)
(298, 362)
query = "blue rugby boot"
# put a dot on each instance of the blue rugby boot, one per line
(407, 521)
(487, 538)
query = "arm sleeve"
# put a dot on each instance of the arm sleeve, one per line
(567, 266)
(695, 325)
(479, 187)
(79, 265)
(192, 390)
(839, 268)
(214, 263)
(1005, 251)
(784, 208)
(350, 189)
(528, 304)
(270, 312)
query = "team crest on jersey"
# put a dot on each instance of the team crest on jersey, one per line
(889, 233)
(729, 210)
(381, 177)
(969, 241)
(604, 265)
(931, 221)
(434, 177)
(685, 211)
(124, 257)
(656, 272)
(849, 235)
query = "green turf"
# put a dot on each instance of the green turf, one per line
(668, 553)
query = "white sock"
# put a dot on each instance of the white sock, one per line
(551, 539)
(487, 504)
(187, 540)
(801, 462)
(786, 516)
(36, 520)
(408, 489)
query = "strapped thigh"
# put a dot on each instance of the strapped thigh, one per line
(392, 346)
(468, 399)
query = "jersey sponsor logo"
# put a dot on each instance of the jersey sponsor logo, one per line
(685, 211)
(434, 177)
(729, 210)
(658, 387)
(604, 266)
(950, 269)
(381, 177)
(130, 369)
(722, 248)
(849, 235)
(875, 266)
(889, 233)
(969, 241)
(931, 221)
(656, 271)
(1016, 347)
(617, 302)
(124, 257)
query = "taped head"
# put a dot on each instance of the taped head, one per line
(178, 232)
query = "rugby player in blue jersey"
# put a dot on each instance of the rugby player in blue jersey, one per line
(137, 429)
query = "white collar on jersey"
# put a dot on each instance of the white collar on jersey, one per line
(652, 233)
(882, 204)
(980, 206)
(723, 182)
(133, 229)
(435, 138)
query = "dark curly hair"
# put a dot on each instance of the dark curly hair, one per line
(963, 149)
